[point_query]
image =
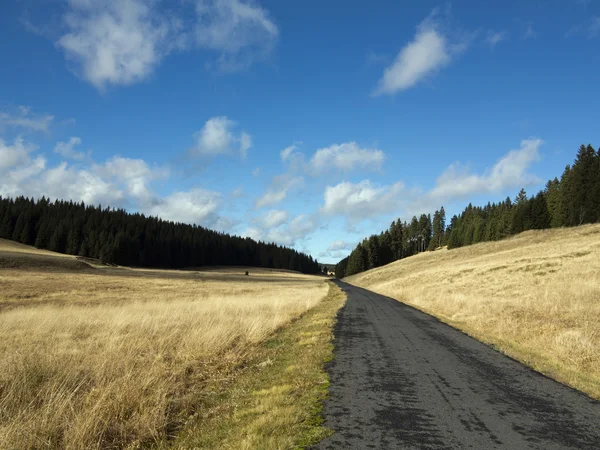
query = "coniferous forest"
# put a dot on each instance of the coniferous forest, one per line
(572, 200)
(117, 237)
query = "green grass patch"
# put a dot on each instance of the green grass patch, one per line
(276, 399)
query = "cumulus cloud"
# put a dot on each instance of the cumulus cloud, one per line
(284, 232)
(241, 32)
(337, 250)
(278, 190)
(121, 42)
(253, 233)
(356, 201)
(23, 118)
(218, 137)
(195, 206)
(493, 38)
(346, 157)
(118, 182)
(15, 154)
(508, 172)
(134, 174)
(340, 245)
(67, 149)
(431, 50)
(274, 218)
(115, 41)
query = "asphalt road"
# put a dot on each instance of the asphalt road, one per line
(402, 379)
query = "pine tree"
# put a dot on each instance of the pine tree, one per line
(554, 201)
(540, 216)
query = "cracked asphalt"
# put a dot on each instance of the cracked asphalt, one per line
(403, 380)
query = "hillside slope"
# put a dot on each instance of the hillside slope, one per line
(535, 296)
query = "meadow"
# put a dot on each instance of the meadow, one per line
(535, 297)
(110, 357)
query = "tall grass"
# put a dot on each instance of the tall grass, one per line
(110, 361)
(535, 296)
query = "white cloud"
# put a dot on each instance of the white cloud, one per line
(121, 42)
(493, 38)
(291, 233)
(195, 206)
(240, 31)
(134, 174)
(361, 200)
(256, 171)
(65, 182)
(337, 250)
(15, 154)
(430, 50)
(509, 172)
(336, 256)
(274, 218)
(253, 233)
(67, 149)
(301, 226)
(287, 152)
(346, 157)
(275, 227)
(116, 41)
(340, 245)
(278, 190)
(218, 138)
(24, 119)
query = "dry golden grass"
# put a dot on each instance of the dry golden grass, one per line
(12, 246)
(535, 297)
(112, 358)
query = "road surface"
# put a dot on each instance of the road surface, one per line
(402, 379)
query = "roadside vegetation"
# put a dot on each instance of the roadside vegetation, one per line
(119, 358)
(534, 296)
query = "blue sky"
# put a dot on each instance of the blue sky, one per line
(311, 124)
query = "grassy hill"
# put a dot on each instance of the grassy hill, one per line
(535, 296)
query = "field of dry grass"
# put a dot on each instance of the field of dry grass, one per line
(535, 297)
(115, 358)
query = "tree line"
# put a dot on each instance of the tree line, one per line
(117, 237)
(572, 200)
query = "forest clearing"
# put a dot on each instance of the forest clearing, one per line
(111, 357)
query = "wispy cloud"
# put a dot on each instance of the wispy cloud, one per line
(431, 49)
(241, 32)
(528, 32)
(493, 38)
(67, 149)
(279, 189)
(23, 118)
